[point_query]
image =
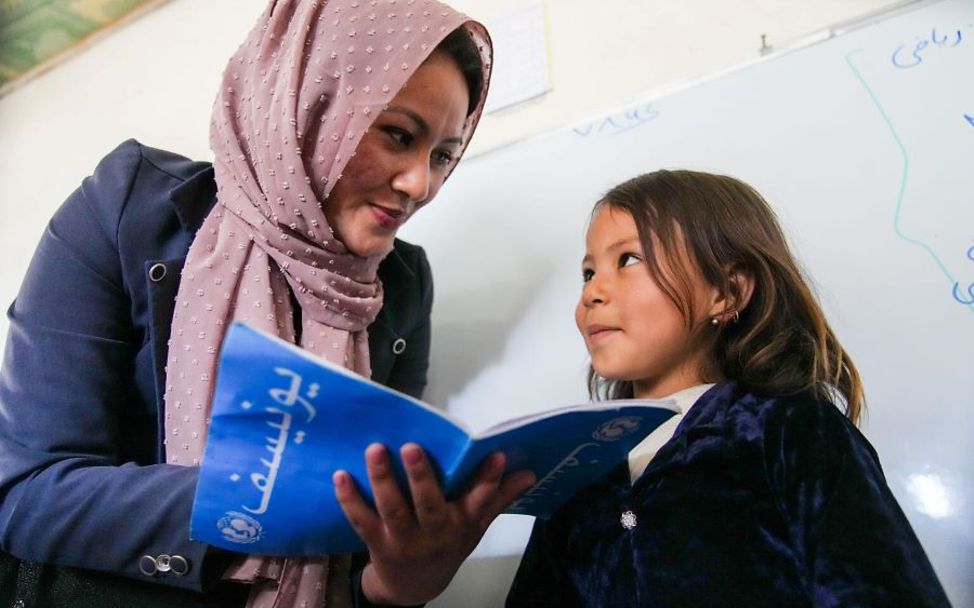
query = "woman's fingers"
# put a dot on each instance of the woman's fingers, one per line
(395, 520)
(511, 487)
(359, 514)
(485, 485)
(392, 507)
(430, 505)
(492, 491)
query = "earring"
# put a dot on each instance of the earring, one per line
(737, 316)
(714, 321)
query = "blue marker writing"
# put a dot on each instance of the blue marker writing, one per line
(970, 288)
(958, 296)
(904, 57)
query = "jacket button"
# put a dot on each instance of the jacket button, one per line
(157, 272)
(628, 520)
(162, 562)
(147, 565)
(178, 565)
(398, 346)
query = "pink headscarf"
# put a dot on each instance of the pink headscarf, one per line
(294, 103)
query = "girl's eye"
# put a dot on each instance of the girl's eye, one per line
(400, 136)
(628, 259)
(587, 274)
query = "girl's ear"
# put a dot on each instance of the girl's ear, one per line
(727, 307)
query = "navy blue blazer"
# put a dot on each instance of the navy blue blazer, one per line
(82, 479)
(755, 501)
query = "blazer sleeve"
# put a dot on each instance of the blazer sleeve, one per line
(66, 390)
(858, 546)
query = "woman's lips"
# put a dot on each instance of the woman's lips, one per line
(386, 218)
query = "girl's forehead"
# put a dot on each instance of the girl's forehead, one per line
(611, 228)
(611, 220)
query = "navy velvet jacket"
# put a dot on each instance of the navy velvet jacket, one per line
(755, 501)
(81, 476)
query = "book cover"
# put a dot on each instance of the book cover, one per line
(283, 421)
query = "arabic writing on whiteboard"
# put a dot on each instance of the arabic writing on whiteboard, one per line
(965, 296)
(620, 121)
(911, 55)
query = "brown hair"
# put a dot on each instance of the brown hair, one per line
(780, 342)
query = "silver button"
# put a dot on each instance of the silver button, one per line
(162, 562)
(628, 520)
(147, 565)
(178, 565)
(398, 346)
(157, 272)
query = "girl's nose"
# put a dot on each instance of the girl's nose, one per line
(593, 293)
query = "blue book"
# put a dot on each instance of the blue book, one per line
(283, 421)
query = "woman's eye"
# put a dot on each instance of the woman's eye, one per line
(587, 274)
(400, 136)
(628, 259)
(442, 157)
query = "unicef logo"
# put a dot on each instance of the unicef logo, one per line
(240, 528)
(617, 428)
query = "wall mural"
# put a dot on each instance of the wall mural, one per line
(36, 34)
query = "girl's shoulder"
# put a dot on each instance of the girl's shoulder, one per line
(804, 432)
(731, 399)
(798, 420)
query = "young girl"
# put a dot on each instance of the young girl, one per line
(764, 493)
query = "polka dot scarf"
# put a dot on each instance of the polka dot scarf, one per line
(294, 102)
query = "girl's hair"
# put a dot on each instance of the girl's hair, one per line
(779, 343)
(462, 49)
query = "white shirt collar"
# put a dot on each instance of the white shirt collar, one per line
(642, 454)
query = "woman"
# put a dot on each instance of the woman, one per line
(334, 123)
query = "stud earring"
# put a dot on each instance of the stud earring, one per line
(714, 321)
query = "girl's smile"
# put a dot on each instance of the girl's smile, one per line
(597, 333)
(631, 327)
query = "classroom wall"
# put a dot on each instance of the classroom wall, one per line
(154, 79)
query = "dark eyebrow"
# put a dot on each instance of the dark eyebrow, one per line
(421, 124)
(620, 244)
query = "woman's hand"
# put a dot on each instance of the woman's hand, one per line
(416, 550)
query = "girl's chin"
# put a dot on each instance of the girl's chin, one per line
(609, 375)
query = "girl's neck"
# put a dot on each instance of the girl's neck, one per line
(699, 368)
(650, 389)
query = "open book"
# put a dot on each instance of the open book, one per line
(283, 421)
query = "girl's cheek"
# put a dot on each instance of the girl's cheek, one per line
(579, 318)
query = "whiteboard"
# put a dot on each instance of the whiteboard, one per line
(864, 145)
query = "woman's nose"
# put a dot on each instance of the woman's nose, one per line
(413, 180)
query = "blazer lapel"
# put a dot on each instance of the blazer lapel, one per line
(192, 201)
